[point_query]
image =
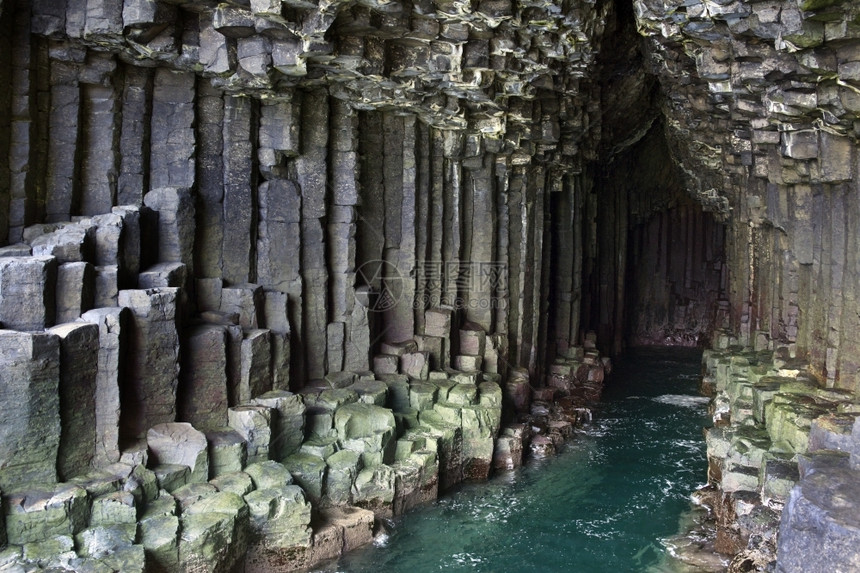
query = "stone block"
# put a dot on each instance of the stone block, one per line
(214, 533)
(228, 452)
(276, 320)
(79, 350)
(449, 447)
(178, 443)
(152, 365)
(159, 536)
(438, 348)
(255, 376)
(176, 224)
(437, 322)
(357, 525)
(473, 339)
(801, 144)
(366, 429)
(29, 408)
(415, 365)
(340, 379)
(374, 490)
(245, 300)
(163, 275)
(508, 452)
(468, 363)
(118, 236)
(398, 348)
(343, 468)
(203, 394)
(16, 250)
(288, 422)
(112, 324)
(281, 516)
(335, 346)
(38, 513)
(239, 483)
(517, 391)
(309, 472)
(371, 391)
(112, 508)
(385, 364)
(68, 244)
(106, 286)
(27, 295)
(75, 292)
(253, 423)
(269, 474)
(191, 493)
(819, 525)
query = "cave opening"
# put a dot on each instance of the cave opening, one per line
(648, 255)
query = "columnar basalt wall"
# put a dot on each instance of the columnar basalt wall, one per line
(761, 114)
(272, 271)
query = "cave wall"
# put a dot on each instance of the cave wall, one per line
(761, 108)
(314, 152)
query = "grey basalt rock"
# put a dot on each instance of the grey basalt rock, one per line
(27, 297)
(112, 346)
(178, 443)
(152, 365)
(78, 390)
(30, 408)
(819, 527)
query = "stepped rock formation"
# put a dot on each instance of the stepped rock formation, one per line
(273, 269)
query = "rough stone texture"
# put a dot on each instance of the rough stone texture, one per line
(819, 523)
(288, 422)
(152, 365)
(202, 394)
(43, 512)
(27, 299)
(178, 443)
(79, 348)
(29, 380)
(75, 292)
(112, 346)
(253, 423)
(228, 452)
(255, 368)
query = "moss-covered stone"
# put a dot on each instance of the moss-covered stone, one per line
(239, 483)
(343, 468)
(309, 472)
(280, 516)
(374, 490)
(172, 476)
(117, 507)
(43, 513)
(159, 536)
(373, 392)
(269, 474)
(214, 533)
(191, 493)
(97, 542)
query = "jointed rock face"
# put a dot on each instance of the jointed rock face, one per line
(270, 269)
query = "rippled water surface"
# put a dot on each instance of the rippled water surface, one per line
(602, 505)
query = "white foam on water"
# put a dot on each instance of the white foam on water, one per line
(683, 400)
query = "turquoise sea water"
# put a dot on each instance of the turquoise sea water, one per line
(602, 505)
